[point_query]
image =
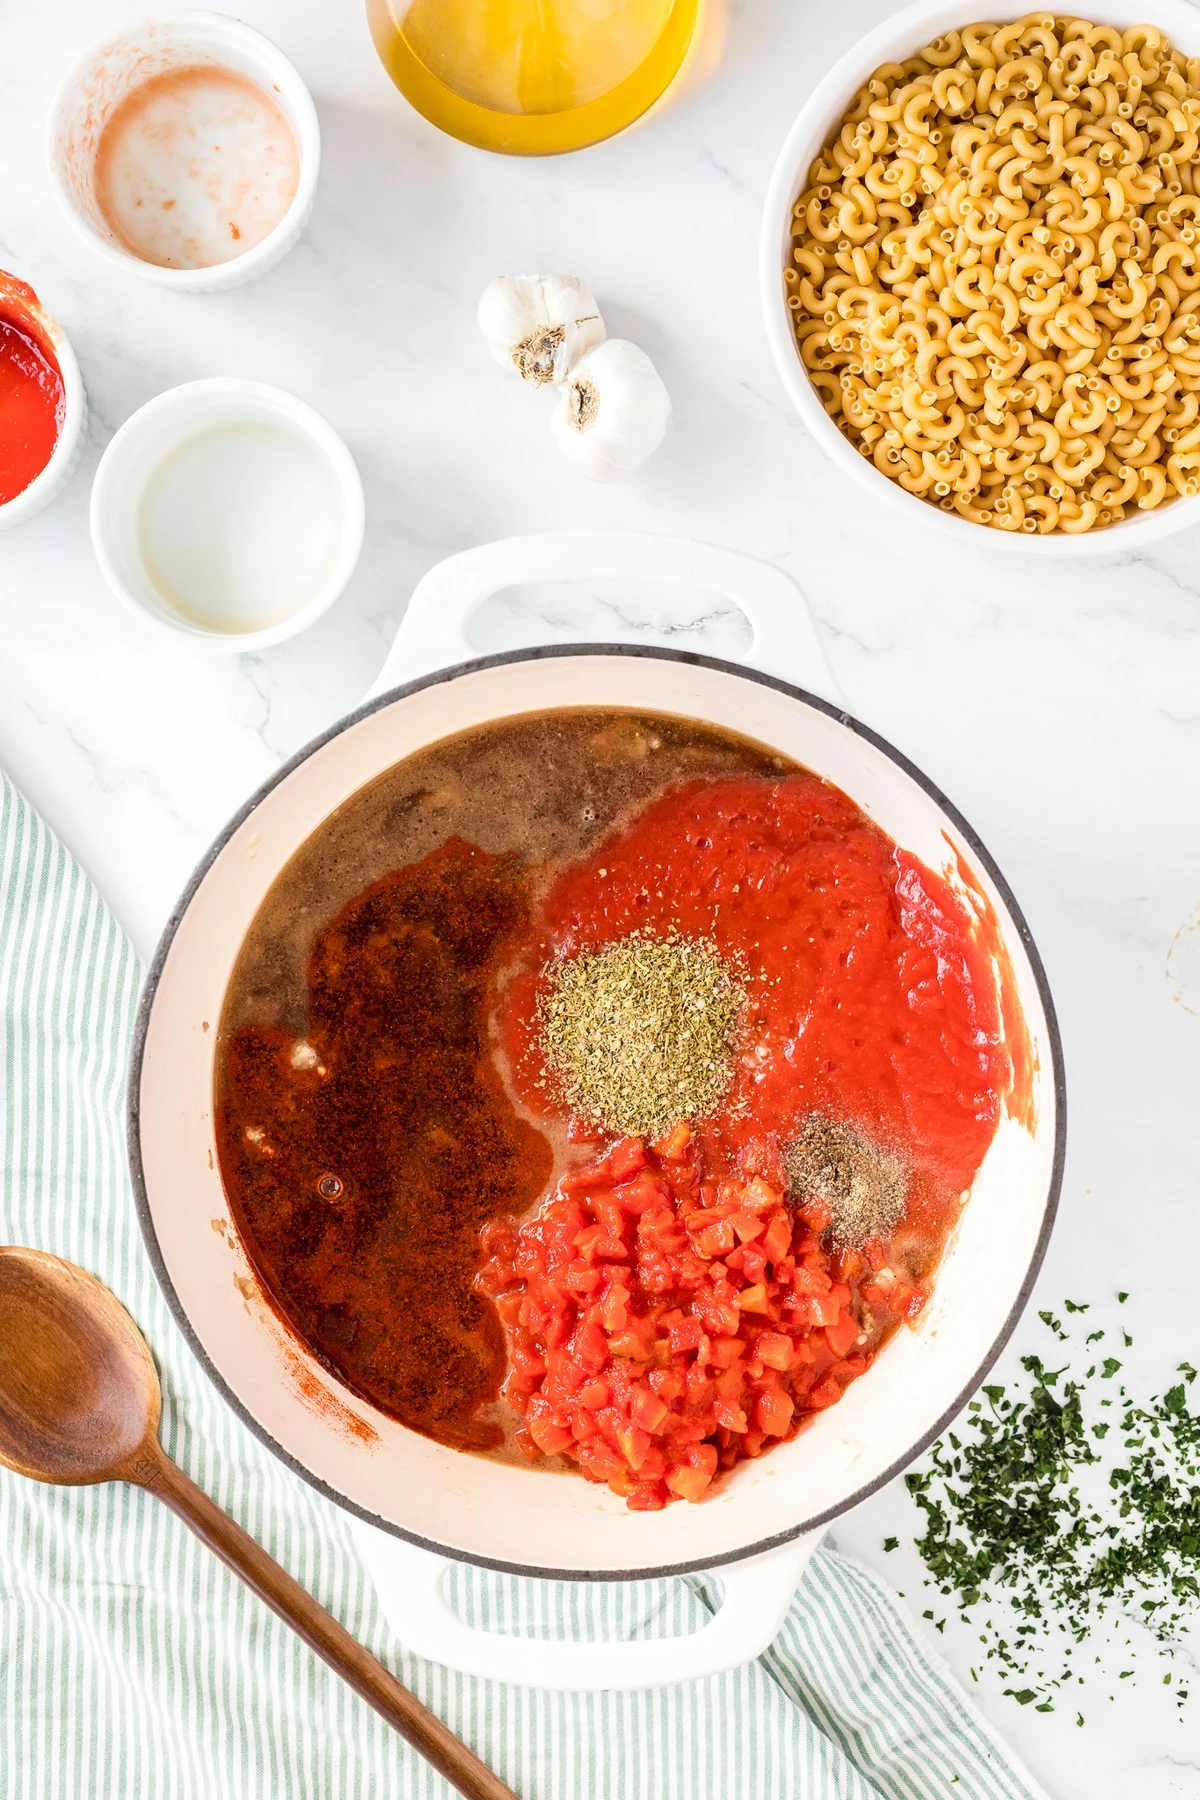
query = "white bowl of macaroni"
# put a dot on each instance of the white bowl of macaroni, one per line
(981, 273)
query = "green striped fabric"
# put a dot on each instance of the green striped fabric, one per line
(133, 1666)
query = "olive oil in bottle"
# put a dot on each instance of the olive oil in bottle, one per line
(533, 77)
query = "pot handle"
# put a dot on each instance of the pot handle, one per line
(757, 1595)
(435, 630)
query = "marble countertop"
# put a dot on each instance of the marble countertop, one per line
(1059, 709)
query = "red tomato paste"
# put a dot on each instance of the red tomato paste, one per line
(32, 397)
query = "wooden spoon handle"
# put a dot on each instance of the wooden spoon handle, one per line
(155, 1471)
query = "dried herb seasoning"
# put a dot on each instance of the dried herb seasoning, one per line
(640, 1033)
(1071, 1505)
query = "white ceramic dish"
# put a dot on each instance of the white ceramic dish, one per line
(131, 471)
(100, 80)
(419, 1495)
(58, 471)
(900, 36)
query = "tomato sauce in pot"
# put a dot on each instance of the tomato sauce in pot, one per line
(32, 393)
(425, 1213)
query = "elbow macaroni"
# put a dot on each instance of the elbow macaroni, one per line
(995, 274)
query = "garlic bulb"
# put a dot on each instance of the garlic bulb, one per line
(614, 410)
(539, 324)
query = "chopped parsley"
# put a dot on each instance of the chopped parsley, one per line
(1053, 1532)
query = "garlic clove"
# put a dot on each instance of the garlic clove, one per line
(613, 412)
(539, 324)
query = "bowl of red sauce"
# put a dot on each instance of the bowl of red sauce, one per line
(42, 406)
(598, 1112)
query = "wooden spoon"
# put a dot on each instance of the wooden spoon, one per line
(80, 1402)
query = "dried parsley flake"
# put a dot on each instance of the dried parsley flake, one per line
(640, 1033)
(1037, 1509)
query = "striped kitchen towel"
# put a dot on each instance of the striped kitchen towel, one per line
(133, 1666)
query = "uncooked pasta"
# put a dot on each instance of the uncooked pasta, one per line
(994, 276)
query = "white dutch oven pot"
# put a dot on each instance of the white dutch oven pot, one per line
(421, 1502)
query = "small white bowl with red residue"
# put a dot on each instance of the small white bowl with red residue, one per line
(185, 149)
(44, 406)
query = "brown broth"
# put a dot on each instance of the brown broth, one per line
(364, 1129)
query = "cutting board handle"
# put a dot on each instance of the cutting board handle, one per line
(435, 630)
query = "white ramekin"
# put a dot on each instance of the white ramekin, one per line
(138, 451)
(58, 471)
(101, 79)
(897, 38)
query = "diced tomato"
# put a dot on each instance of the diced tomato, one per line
(778, 1240)
(759, 1196)
(773, 1412)
(774, 1349)
(816, 1215)
(674, 1147)
(826, 1310)
(748, 1225)
(640, 1194)
(662, 1326)
(550, 1439)
(685, 1335)
(614, 1308)
(714, 1240)
(825, 1393)
(633, 1443)
(842, 1335)
(599, 1462)
(626, 1158)
(636, 1341)
(591, 1345)
(753, 1259)
(647, 1410)
(687, 1483)
(720, 1316)
(904, 1300)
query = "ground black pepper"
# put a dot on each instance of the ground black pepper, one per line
(864, 1186)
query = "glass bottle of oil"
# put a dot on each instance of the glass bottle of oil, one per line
(533, 77)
